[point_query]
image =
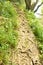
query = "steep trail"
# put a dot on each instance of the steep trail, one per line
(26, 52)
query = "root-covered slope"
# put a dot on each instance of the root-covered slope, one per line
(13, 32)
(26, 52)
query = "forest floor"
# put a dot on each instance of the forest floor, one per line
(26, 52)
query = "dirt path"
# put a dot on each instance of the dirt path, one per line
(26, 52)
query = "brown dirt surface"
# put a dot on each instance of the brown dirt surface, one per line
(26, 52)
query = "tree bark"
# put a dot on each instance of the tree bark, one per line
(29, 6)
(38, 7)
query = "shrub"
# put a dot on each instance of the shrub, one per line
(8, 26)
(8, 10)
(35, 24)
(37, 28)
(8, 29)
(8, 34)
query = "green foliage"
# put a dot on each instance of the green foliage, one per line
(9, 24)
(8, 11)
(8, 34)
(37, 28)
(35, 24)
(0, 8)
(8, 29)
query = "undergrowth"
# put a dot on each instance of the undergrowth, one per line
(8, 30)
(37, 28)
